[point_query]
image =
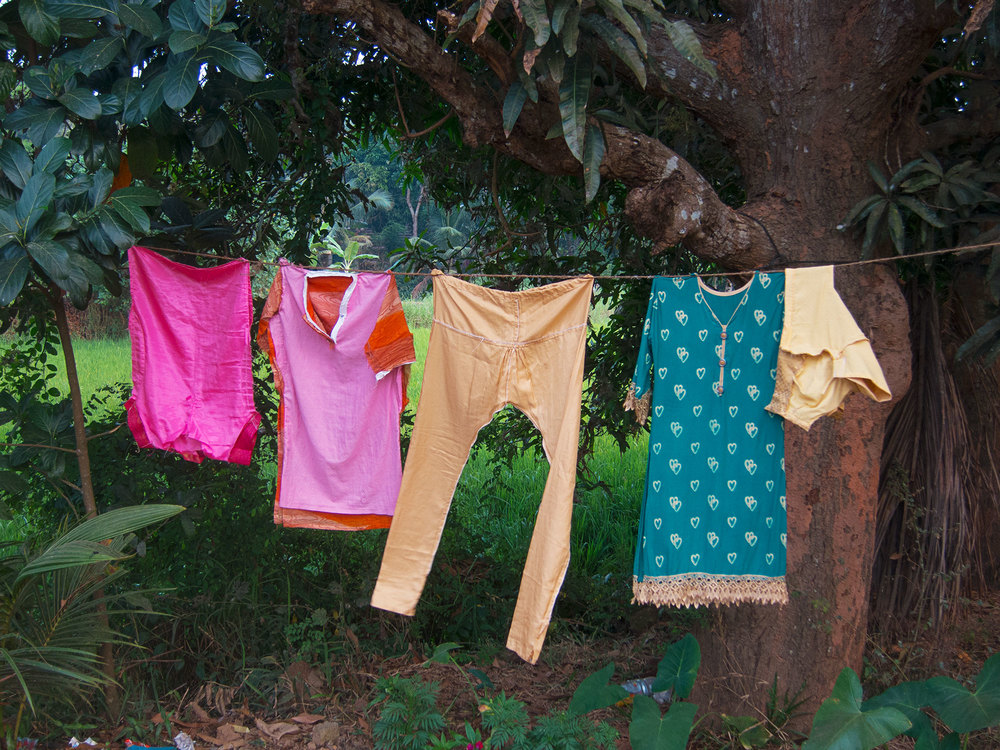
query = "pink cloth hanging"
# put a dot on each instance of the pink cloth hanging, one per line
(192, 390)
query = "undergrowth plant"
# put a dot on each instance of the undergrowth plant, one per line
(409, 715)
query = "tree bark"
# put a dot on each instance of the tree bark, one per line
(112, 695)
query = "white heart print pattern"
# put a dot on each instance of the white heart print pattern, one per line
(757, 354)
(695, 521)
(751, 538)
(657, 523)
(759, 316)
(658, 411)
(675, 503)
(765, 280)
(676, 428)
(731, 484)
(714, 426)
(675, 539)
(675, 466)
(682, 317)
(661, 373)
(751, 429)
(695, 558)
(713, 539)
(750, 465)
(731, 521)
(734, 410)
(703, 334)
(657, 447)
(731, 557)
(731, 447)
(656, 485)
(700, 372)
(662, 296)
(694, 485)
(665, 334)
(682, 354)
(679, 392)
(659, 561)
(695, 447)
(713, 464)
(753, 392)
(713, 502)
(738, 336)
(697, 410)
(769, 557)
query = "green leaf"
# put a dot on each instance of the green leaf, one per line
(183, 16)
(13, 273)
(37, 79)
(15, 163)
(82, 8)
(916, 184)
(38, 22)
(593, 155)
(53, 155)
(100, 186)
(183, 40)
(909, 698)
(678, 668)
(141, 196)
(52, 256)
(129, 90)
(861, 209)
(536, 16)
(896, 232)
(263, 136)
(142, 19)
(686, 42)
(39, 121)
(981, 340)
(34, 200)
(595, 692)
(77, 28)
(100, 53)
(71, 555)
(130, 212)
(649, 732)
(841, 724)
(616, 10)
(180, 81)
(922, 210)
(442, 654)
(118, 522)
(874, 225)
(571, 30)
(962, 710)
(559, 12)
(876, 173)
(210, 11)
(234, 56)
(274, 88)
(750, 732)
(8, 79)
(512, 105)
(573, 95)
(620, 44)
(82, 102)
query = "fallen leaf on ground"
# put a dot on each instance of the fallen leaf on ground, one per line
(307, 718)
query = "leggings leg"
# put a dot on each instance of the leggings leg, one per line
(460, 393)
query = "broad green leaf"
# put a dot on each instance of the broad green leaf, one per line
(905, 171)
(13, 273)
(571, 31)
(82, 102)
(235, 149)
(512, 105)
(118, 522)
(234, 56)
(183, 16)
(130, 212)
(678, 668)
(650, 732)
(922, 210)
(82, 8)
(750, 732)
(111, 104)
(921, 182)
(595, 692)
(965, 711)
(686, 42)
(273, 87)
(143, 152)
(142, 19)
(53, 155)
(593, 155)
(573, 95)
(71, 555)
(180, 81)
(100, 53)
(129, 90)
(139, 195)
(15, 163)
(861, 209)
(39, 121)
(51, 224)
(183, 40)
(841, 724)
(37, 79)
(979, 340)
(876, 173)
(536, 16)
(100, 186)
(263, 136)
(38, 22)
(77, 28)
(10, 230)
(559, 11)
(619, 43)
(909, 698)
(34, 200)
(896, 232)
(874, 225)
(8, 78)
(442, 654)
(115, 228)
(617, 11)
(52, 256)
(210, 11)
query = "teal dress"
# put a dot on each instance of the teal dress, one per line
(712, 528)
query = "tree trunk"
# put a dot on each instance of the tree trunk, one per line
(111, 693)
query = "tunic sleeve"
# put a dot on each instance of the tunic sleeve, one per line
(824, 356)
(390, 344)
(640, 391)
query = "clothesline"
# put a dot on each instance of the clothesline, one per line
(623, 277)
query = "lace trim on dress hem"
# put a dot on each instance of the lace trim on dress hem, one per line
(638, 405)
(697, 590)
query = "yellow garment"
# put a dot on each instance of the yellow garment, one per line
(823, 355)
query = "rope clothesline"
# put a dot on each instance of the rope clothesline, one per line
(622, 277)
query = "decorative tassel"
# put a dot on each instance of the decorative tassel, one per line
(640, 406)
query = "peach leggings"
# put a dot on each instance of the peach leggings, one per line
(488, 349)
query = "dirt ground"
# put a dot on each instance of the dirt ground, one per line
(342, 719)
